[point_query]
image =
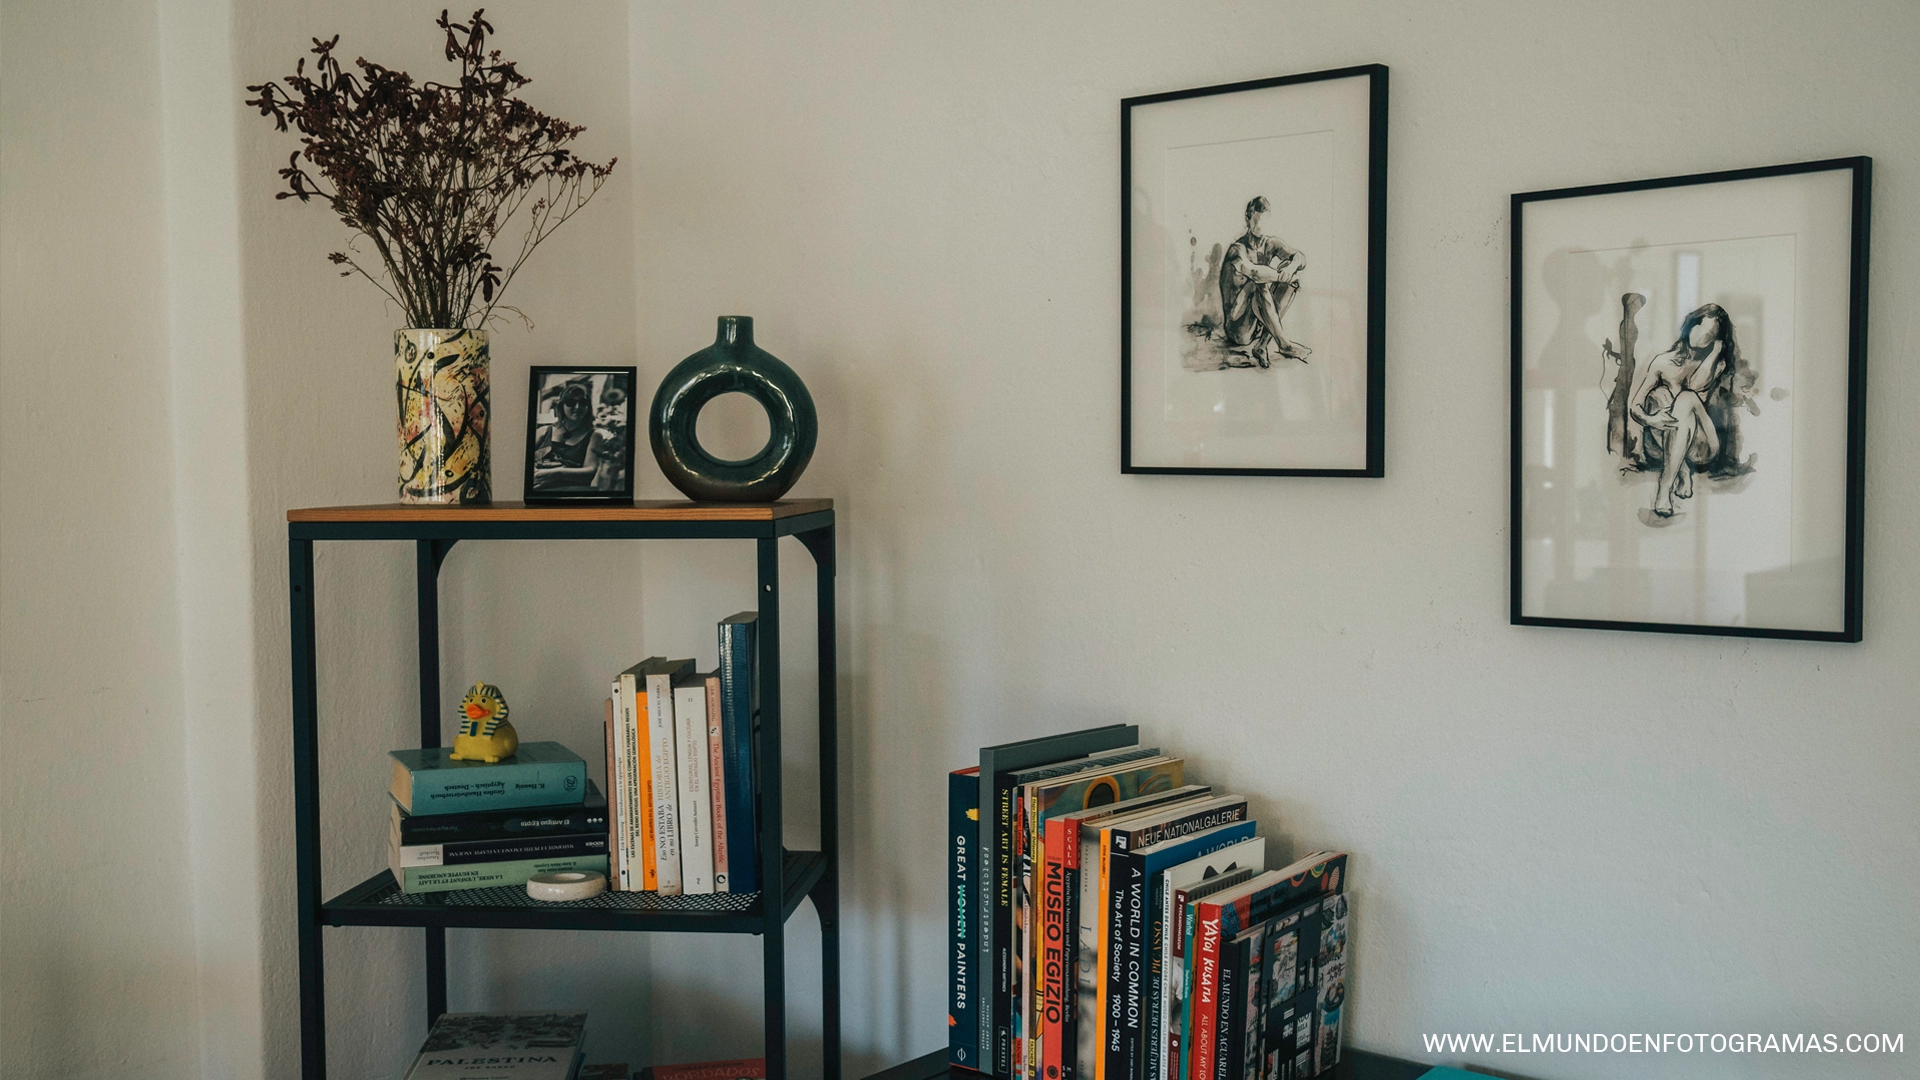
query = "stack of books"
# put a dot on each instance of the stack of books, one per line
(1112, 920)
(471, 825)
(680, 761)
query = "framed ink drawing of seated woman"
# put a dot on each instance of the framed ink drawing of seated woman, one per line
(580, 434)
(1689, 374)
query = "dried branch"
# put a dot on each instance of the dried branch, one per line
(431, 173)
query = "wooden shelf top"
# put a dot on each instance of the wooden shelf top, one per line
(639, 510)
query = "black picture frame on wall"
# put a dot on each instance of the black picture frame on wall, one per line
(580, 434)
(1278, 187)
(1725, 312)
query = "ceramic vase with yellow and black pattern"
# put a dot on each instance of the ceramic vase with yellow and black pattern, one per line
(440, 378)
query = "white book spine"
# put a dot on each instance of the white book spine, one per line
(617, 792)
(666, 818)
(696, 798)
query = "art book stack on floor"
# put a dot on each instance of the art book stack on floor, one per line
(1112, 920)
(680, 763)
(470, 824)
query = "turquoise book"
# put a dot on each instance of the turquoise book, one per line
(538, 774)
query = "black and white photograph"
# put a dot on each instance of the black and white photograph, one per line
(1688, 364)
(580, 434)
(1253, 247)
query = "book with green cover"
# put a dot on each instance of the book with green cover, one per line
(423, 879)
(538, 774)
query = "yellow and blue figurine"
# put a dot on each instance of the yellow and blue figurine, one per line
(485, 734)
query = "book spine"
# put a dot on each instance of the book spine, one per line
(666, 817)
(963, 967)
(484, 851)
(1088, 972)
(696, 809)
(717, 790)
(736, 733)
(639, 764)
(1249, 1037)
(422, 879)
(1002, 926)
(1153, 1031)
(1201, 821)
(1022, 973)
(1231, 1023)
(1111, 1060)
(1055, 956)
(617, 791)
(1204, 1003)
(1129, 890)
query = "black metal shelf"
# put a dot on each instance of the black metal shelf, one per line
(377, 901)
(808, 875)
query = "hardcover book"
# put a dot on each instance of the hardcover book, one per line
(717, 789)
(963, 961)
(480, 851)
(502, 1046)
(693, 787)
(739, 713)
(538, 774)
(659, 676)
(517, 823)
(425, 879)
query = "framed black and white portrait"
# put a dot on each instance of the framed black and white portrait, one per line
(580, 434)
(1253, 262)
(1689, 380)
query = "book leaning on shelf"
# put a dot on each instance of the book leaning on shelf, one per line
(1079, 868)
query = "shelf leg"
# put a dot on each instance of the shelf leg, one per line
(772, 837)
(826, 894)
(428, 555)
(306, 811)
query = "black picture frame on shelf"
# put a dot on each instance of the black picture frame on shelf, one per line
(580, 434)
(1279, 186)
(1725, 310)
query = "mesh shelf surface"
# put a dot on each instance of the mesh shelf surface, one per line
(516, 896)
(377, 901)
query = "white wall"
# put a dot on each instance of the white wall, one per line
(1553, 830)
(97, 938)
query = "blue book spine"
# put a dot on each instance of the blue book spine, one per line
(737, 712)
(963, 881)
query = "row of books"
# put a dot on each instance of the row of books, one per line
(471, 824)
(1111, 920)
(680, 777)
(542, 1046)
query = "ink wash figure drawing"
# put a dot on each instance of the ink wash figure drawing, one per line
(1688, 385)
(1253, 304)
(1676, 415)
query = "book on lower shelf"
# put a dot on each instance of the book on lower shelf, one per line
(502, 1046)
(1111, 919)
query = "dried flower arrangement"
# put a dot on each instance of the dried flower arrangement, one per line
(431, 173)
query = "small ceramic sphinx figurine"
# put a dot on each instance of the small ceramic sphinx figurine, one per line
(485, 734)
